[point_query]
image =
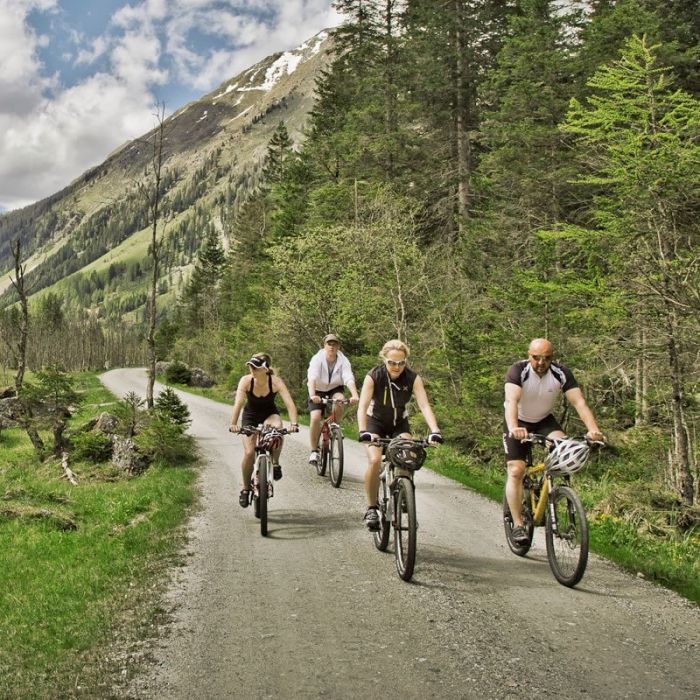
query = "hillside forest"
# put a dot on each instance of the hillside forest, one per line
(473, 175)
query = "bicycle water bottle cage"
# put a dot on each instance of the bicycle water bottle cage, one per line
(405, 454)
(567, 457)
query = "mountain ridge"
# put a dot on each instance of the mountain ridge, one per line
(224, 133)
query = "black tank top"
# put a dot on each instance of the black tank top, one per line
(261, 404)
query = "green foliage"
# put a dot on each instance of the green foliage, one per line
(178, 373)
(131, 414)
(162, 440)
(93, 446)
(169, 405)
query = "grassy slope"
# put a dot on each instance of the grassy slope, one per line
(78, 561)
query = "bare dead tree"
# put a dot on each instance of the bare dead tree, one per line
(18, 282)
(150, 187)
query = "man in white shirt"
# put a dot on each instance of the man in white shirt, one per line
(329, 372)
(532, 389)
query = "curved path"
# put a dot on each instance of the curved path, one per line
(315, 611)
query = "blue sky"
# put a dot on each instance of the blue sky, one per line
(79, 77)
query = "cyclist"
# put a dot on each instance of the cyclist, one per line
(329, 371)
(387, 389)
(255, 395)
(532, 388)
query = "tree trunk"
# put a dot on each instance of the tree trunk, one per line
(681, 437)
(462, 118)
(19, 284)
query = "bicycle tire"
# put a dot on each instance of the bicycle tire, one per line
(263, 472)
(322, 463)
(381, 536)
(335, 459)
(405, 528)
(567, 548)
(521, 549)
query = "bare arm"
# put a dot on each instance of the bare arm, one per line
(363, 405)
(513, 394)
(424, 405)
(281, 388)
(354, 398)
(576, 399)
(240, 400)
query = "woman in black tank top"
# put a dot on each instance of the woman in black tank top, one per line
(382, 412)
(255, 396)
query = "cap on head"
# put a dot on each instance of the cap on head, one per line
(258, 362)
(330, 338)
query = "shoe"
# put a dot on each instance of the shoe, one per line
(313, 458)
(371, 518)
(276, 472)
(244, 499)
(519, 535)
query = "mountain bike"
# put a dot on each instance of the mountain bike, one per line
(268, 439)
(331, 452)
(401, 457)
(550, 500)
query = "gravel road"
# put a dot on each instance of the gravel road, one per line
(315, 611)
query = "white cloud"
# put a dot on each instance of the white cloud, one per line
(97, 48)
(49, 134)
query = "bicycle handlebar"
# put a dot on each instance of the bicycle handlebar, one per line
(538, 439)
(325, 401)
(382, 442)
(257, 429)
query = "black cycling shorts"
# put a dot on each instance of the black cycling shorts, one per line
(515, 449)
(387, 430)
(324, 395)
(253, 418)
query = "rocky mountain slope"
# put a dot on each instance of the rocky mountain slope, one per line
(89, 242)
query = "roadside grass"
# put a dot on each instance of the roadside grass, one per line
(78, 560)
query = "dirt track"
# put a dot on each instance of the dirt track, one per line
(315, 611)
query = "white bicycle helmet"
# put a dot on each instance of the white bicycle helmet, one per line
(567, 456)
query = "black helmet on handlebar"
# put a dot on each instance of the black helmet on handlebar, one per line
(405, 454)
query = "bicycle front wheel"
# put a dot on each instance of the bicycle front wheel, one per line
(567, 536)
(263, 476)
(335, 461)
(405, 528)
(519, 548)
(381, 536)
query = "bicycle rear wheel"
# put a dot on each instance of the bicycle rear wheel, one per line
(335, 460)
(521, 549)
(567, 536)
(405, 528)
(263, 475)
(322, 463)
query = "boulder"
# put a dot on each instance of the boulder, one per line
(200, 378)
(10, 412)
(125, 456)
(106, 423)
(162, 366)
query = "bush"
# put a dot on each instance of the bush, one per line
(94, 447)
(162, 439)
(178, 373)
(169, 405)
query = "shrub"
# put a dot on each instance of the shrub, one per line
(169, 405)
(178, 373)
(94, 447)
(130, 413)
(161, 439)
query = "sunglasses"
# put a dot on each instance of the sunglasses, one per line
(541, 358)
(396, 363)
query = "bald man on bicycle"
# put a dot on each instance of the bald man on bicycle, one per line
(532, 388)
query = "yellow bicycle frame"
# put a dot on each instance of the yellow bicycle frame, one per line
(538, 505)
